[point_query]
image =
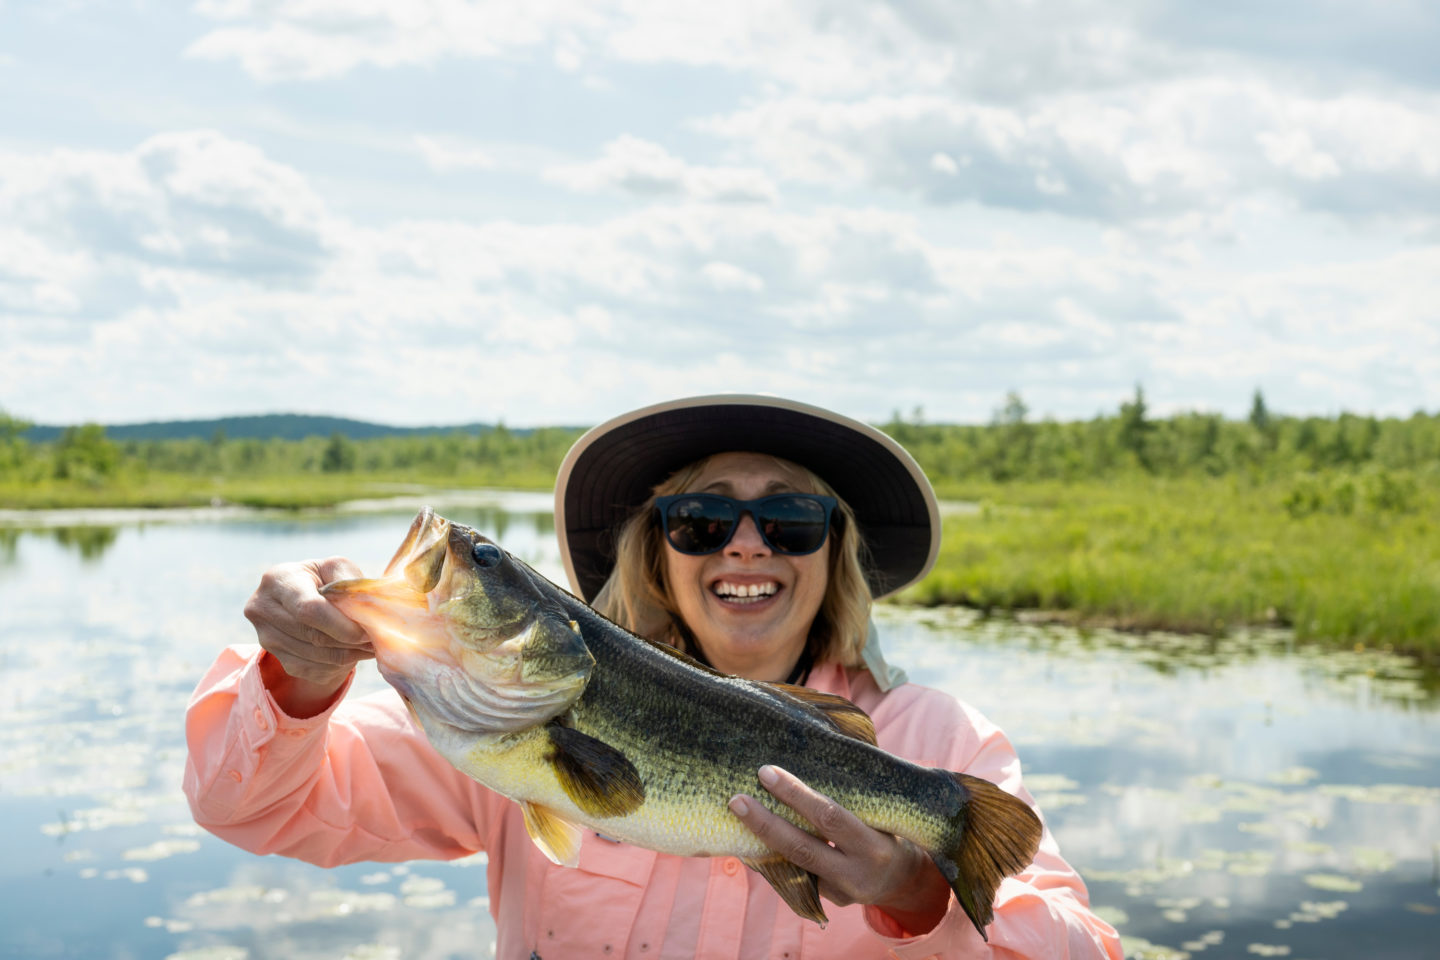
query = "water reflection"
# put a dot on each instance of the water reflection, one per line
(90, 542)
(1224, 797)
(1252, 793)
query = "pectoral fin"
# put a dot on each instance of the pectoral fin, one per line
(597, 777)
(798, 888)
(557, 838)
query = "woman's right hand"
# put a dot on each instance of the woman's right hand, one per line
(313, 647)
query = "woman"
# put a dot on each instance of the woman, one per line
(693, 522)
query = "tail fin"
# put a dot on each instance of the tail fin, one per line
(998, 836)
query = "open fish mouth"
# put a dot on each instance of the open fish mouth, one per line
(460, 627)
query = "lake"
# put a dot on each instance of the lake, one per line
(1232, 797)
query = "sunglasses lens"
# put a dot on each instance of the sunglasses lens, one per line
(793, 524)
(704, 522)
(699, 524)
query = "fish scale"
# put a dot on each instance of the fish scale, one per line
(612, 732)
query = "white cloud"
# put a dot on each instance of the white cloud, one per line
(189, 200)
(728, 277)
(426, 320)
(806, 45)
(445, 154)
(1135, 153)
(644, 169)
(311, 39)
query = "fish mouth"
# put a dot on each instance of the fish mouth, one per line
(459, 632)
(395, 608)
(420, 558)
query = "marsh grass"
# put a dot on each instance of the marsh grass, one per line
(1340, 556)
(284, 491)
(1197, 555)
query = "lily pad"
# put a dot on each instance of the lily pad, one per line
(1333, 881)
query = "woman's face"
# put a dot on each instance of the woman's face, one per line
(759, 637)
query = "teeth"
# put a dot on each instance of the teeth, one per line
(746, 590)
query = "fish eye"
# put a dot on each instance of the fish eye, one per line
(487, 554)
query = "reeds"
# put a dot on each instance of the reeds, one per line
(1199, 555)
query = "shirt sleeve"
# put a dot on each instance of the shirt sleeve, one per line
(1044, 911)
(357, 782)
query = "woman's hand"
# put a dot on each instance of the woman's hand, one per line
(864, 865)
(313, 645)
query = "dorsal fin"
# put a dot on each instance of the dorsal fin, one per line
(683, 657)
(841, 713)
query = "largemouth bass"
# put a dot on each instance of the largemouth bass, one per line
(525, 688)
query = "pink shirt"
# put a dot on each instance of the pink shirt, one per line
(360, 782)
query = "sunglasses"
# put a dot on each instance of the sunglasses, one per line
(793, 524)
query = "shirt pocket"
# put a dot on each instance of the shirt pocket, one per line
(590, 910)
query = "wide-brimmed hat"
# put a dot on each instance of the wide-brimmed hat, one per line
(613, 468)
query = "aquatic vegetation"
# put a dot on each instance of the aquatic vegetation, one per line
(1138, 948)
(1195, 780)
(1333, 881)
(1313, 912)
(1211, 938)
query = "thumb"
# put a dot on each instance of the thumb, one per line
(337, 568)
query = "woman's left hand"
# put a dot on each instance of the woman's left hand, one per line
(854, 862)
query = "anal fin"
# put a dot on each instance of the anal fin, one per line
(797, 887)
(598, 778)
(557, 838)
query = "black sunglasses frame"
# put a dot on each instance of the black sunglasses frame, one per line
(741, 507)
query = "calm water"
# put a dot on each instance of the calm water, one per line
(1237, 798)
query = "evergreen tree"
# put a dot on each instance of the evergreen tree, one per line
(339, 455)
(1135, 429)
(1259, 415)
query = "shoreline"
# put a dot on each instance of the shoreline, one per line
(46, 518)
(1012, 560)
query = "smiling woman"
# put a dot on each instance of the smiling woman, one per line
(789, 519)
(742, 603)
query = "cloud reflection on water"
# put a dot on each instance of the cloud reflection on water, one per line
(1277, 795)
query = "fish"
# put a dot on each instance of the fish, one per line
(523, 687)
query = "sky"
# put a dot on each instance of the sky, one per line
(553, 211)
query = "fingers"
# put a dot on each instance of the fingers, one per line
(311, 638)
(799, 847)
(858, 868)
(836, 824)
(336, 568)
(298, 590)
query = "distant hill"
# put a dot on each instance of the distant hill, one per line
(282, 426)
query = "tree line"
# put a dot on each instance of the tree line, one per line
(1011, 447)
(85, 454)
(1131, 441)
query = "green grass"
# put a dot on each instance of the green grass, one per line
(1196, 555)
(1338, 557)
(286, 491)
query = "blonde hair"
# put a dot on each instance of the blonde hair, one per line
(637, 596)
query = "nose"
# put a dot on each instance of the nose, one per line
(747, 541)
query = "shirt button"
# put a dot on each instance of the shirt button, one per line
(732, 866)
(235, 775)
(260, 720)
